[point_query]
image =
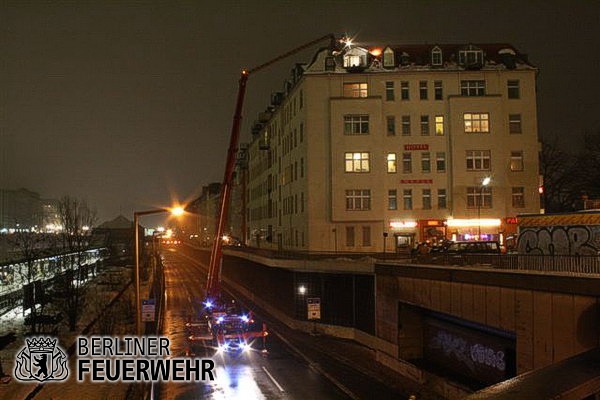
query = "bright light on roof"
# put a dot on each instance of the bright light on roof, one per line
(177, 211)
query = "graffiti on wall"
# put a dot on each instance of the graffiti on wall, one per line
(568, 240)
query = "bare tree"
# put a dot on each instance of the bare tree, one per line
(588, 163)
(76, 219)
(29, 248)
(561, 172)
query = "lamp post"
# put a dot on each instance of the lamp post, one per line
(484, 183)
(136, 216)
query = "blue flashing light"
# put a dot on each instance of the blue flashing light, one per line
(245, 318)
(219, 320)
(208, 304)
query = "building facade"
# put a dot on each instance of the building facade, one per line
(375, 149)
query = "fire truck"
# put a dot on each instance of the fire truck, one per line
(232, 329)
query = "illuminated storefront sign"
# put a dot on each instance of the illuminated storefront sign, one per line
(403, 224)
(483, 222)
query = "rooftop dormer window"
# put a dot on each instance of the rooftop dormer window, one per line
(470, 57)
(436, 56)
(355, 58)
(388, 58)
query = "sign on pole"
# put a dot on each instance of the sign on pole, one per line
(148, 310)
(314, 307)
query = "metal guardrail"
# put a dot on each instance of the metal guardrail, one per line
(317, 255)
(525, 262)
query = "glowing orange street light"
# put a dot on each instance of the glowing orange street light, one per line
(176, 211)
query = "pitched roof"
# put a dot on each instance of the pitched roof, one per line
(118, 223)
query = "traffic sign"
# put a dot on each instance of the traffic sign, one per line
(148, 310)
(313, 305)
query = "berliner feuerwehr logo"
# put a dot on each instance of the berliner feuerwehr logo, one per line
(41, 360)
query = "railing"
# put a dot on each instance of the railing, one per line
(526, 262)
(318, 255)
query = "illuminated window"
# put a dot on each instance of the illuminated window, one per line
(389, 91)
(436, 56)
(388, 57)
(518, 197)
(358, 200)
(441, 198)
(516, 161)
(355, 90)
(479, 196)
(406, 125)
(356, 162)
(407, 163)
(356, 124)
(478, 160)
(440, 162)
(391, 125)
(514, 123)
(438, 90)
(426, 198)
(352, 60)
(423, 90)
(407, 197)
(404, 90)
(425, 162)
(514, 90)
(391, 162)
(425, 125)
(477, 122)
(392, 199)
(439, 125)
(472, 88)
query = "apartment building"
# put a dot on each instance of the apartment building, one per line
(376, 148)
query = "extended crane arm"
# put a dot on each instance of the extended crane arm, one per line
(213, 288)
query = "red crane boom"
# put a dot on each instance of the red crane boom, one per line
(213, 286)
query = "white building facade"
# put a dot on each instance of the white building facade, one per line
(376, 149)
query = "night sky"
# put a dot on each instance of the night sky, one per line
(129, 104)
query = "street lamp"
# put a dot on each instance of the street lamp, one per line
(484, 183)
(136, 216)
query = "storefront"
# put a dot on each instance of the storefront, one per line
(404, 233)
(432, 230)
(474, 229)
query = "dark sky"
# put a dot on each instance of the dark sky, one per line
(129, 104)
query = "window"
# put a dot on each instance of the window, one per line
(388, 57)
(514, 90)
(436, 56)
(470, 56)
(477, 122)
(407, 163)
(478, 160)
(301, 133)
(472, 88)
(391, 162)
(391, 125)
(329, 64)
(407, 195)
(440, 162)
(426, 197)
(406, 125)
(441, 198)
(355, 90)
(518, 197)
(439, 125)
(366, 235)
(404, 95)
(516, 161)
(438, 90)
(301, 99)
(350, 236)
(425, 125)
(423, 90)
(392, 199)
(302, 202)
(358, 200)
(356, 162)
(356, 124)
(302, 168)
(425, 162)
(514, 123)
(389, 91)
(479, 196)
